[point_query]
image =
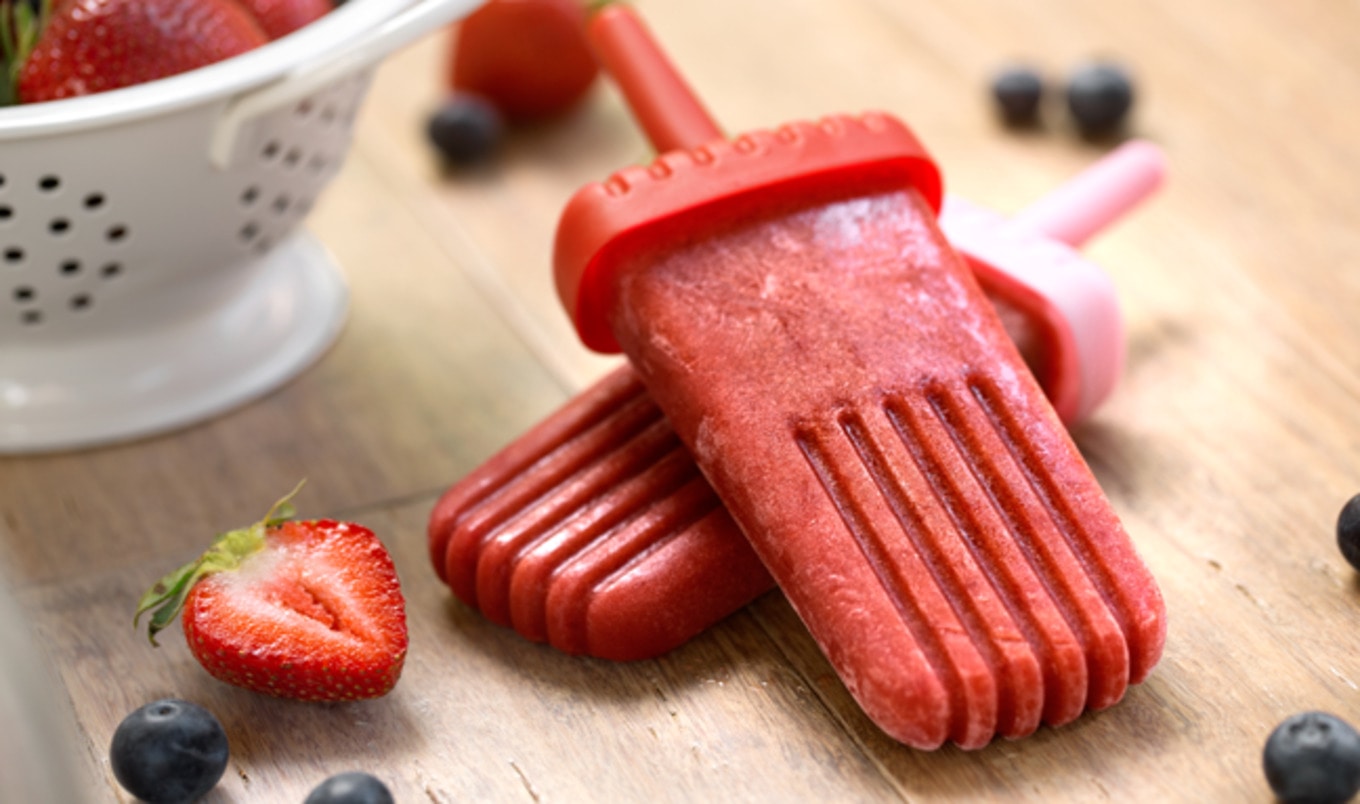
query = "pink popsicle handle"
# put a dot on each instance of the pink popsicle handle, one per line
(1097, 196)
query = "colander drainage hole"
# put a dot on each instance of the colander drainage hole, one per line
(117, 233)
(13, 254)
(271, 149)
(24, 294)
(249, 231)
(70, 267)
(94, 201)
(80, 301)
(31, 317)
(6, 213)
(59, 226)
(248, 197)
(281, 204)
(49, 184)
(111, 270)
(292, 158)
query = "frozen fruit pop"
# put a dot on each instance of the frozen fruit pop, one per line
(559, 536)
(841, 382)
(846, 390)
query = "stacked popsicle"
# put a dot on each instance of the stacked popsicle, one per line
(853, 407)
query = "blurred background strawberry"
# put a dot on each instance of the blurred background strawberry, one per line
(529, 58)
(511, 62)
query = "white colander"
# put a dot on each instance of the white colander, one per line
(152, 267)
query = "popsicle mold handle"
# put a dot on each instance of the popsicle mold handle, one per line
(662, 102)
(399, 30)
(1097, 196)
(835, 157)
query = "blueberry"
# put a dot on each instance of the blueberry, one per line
(1348, 531)
(354, 787)
(1313, 758)
(1099, 96)
(1017, 92)
(169, 751)
(466, 129)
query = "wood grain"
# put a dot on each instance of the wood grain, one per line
(1228, 449)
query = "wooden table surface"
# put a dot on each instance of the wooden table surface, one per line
(1228, 449)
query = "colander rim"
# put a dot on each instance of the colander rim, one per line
(203, 86)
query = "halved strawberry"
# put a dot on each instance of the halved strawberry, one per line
(310, 610)
(91, 46)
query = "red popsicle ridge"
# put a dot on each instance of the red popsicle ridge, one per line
(535, 564)
(1096, 541)
(554, 572)
(651, 580)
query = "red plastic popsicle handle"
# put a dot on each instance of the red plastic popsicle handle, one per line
(686, 191)
(661, 101)
(701, 177)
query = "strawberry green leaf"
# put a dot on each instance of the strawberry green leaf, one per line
(21, 23)
(166, 598)
(228, 550)
(283, 510)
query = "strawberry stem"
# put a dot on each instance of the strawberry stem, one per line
(228, 550)
(21, 24)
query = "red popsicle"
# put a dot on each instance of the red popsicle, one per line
(564, 554)
(844, 386)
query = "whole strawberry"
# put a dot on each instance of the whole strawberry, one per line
(529, 58)
(91, 46)
(309, 610)
(282, 17)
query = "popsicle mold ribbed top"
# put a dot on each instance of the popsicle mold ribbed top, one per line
(683, 188)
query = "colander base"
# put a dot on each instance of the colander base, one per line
(87, 393)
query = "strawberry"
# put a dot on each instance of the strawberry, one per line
(282, 17)
(529, 58)
(310, 610)
(93, 46)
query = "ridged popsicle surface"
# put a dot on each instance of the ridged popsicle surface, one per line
(845, 387)
(595, 532)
